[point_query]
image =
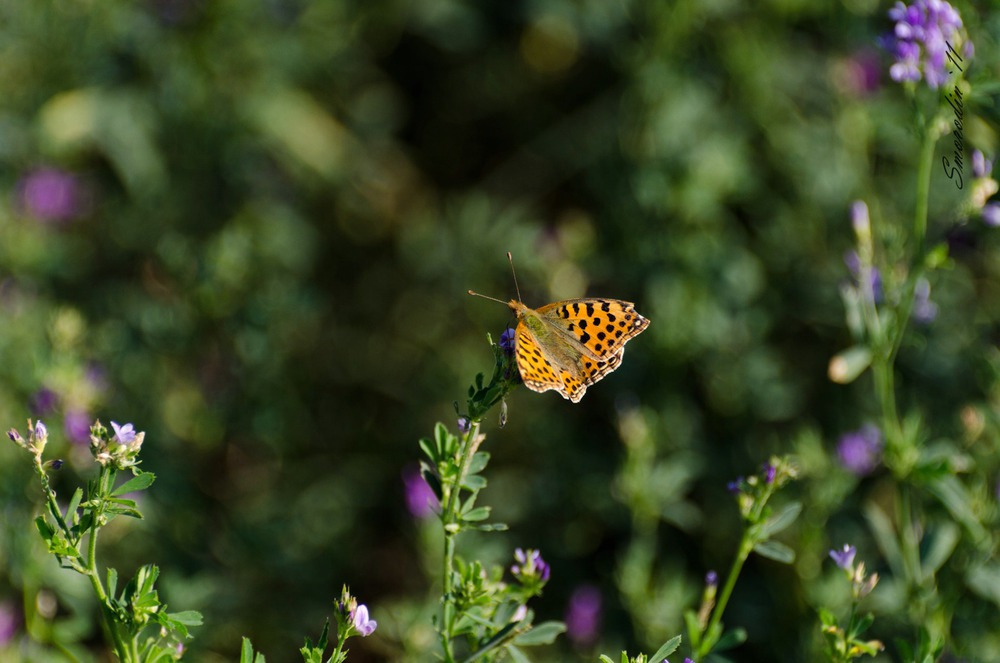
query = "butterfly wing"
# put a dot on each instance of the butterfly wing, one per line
(570, 345)
(543, 366)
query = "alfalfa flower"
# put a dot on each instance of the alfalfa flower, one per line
(927, 35)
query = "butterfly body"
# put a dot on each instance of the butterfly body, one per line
(569, 345)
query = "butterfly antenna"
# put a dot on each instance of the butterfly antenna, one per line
(510, 259)
(492, 299)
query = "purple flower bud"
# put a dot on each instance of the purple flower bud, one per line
(712, 579)
(770, 471)
(507, 340)
(41, 432)
(859, 451)
(463, 424)
(735, 486)
(844, 558)
(859, 218)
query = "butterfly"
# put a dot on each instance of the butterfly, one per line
(569, 345)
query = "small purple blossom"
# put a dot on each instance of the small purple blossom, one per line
(991, 214)
(15, 437)
(41, 432)
(507, 340)
(981, 166)
(77, 426)
(860, 220)
(860, 74)
(362, 624)
(712, 579)
(464, 424)
(420, 498)
(125, 434)
(859, 451)
(924, 310)
(770, 471)
(583, 615)
(735, 486)
(926, 37)
(844, 558)
(50, 194)
(530, 565)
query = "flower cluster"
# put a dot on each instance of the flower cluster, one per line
(531, 570)
(121, 449)
(754, 491)
(38, 437)
(927, 35)
(983, 188)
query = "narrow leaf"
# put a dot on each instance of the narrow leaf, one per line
(782, 519)
(543, 634)
(779, 552)
(139, 482)
(667, 649)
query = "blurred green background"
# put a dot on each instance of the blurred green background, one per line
(248, 228)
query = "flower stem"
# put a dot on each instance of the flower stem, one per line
(450, 520)
(746, 546)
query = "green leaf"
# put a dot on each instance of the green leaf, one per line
(667, 649)
(782, 519)
(141, 481)
(429, 450)
(779, 552)
(246, 653)
(543, 634)
(730, 639)
(517, 655)
(693, 628)
(985, 581)
(474, 482)
(943, 539)
(956, 499)
(74, 504)
(885, 537)
(479, 461)
(476, 515)
(847, 365)
(605, 659)
(187, 617)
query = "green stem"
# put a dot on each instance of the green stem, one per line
(746, 546)
(449, 518)
(110, 619)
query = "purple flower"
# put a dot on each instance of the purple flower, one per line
(125, 434)
(844, 558)
(860, 74)
(77, 426)
(463, 424)
(712, 579)
(44, 402)
(507, 340)
(735, 486)
(859, 218)
(49, 194)
(770, 471)
(991, 214)
(420, 498)
(361, 622)
(924, 310)
(583, 615)
(41, 432)
(925, 40)
(859, 450)
(981, 166)
(530, 565)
